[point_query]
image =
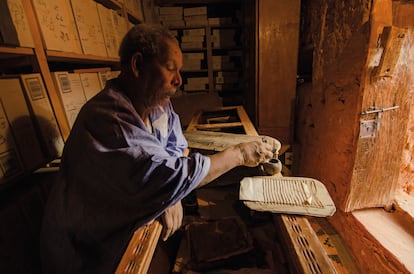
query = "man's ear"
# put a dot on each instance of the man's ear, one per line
(136, 64)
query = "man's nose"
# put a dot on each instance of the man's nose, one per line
(177, 81)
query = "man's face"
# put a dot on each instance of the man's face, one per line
(162, 76)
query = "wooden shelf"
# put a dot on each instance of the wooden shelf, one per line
(198, 2)
(194, 71)
(226, 48)
(225, 26)
(209, 36)
(6, 52)
(112, 4)
(227, 69)
(195, 91)
(193, 49)
(188, 27)
(134, 17)
(79, 58)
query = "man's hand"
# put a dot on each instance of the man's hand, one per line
(172, 220)
(255, 153)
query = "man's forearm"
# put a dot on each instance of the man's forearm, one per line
(222, 162)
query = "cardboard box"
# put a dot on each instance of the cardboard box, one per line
(192, 38)
(192, 61)
(171, 17)
(196, 22)
(57, 25)
(197, 80)
(198, 31)
(89, 27)
(175, 23)
(90, 83)
(114, 74)
(120, 27)
(195, 11)
(10, 161)
(170, 10)
(187, 56)
(20, 120)
(194, 87)
(41, 108)
(104, 76)
(219, 21)
(8, 33)
(71, 93)
(108, 29)
(20, 22)
(192, 45)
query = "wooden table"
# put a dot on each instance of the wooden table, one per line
(304, 250)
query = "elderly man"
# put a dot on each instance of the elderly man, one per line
(123, 163)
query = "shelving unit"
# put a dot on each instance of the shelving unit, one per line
(222, 60)
(15, 60)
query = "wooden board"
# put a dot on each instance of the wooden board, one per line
(278, 36)
(306, 253)
(138, 255)
(218, 141)
(242, 120)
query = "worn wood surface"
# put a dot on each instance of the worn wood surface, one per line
(242, 120)
(299, 239)
(218, 141)
(370, 255)
(278, 27)
(358, 172)
(377, 161)
(138, 255)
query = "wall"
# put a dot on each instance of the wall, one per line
(329, 107)
(403, 17)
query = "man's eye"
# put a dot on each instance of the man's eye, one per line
(171, 68)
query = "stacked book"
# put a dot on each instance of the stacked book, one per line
(196, 16)
(196, 84)
(193, 38)
(193, 60)
(171, 16)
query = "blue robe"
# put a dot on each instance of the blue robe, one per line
(115, 177)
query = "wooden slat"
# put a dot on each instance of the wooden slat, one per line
(218, 141)
(141, 247)
(392, 39)
(306, 254)
(247, 124)
(16, 51)
(218, 126)
(245, 121)
(54, 55)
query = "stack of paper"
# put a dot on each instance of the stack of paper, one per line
(292, 195)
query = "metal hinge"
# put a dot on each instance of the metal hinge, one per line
(368, 128)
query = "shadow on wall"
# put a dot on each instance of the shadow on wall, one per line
(23, 194)
(26, 145)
